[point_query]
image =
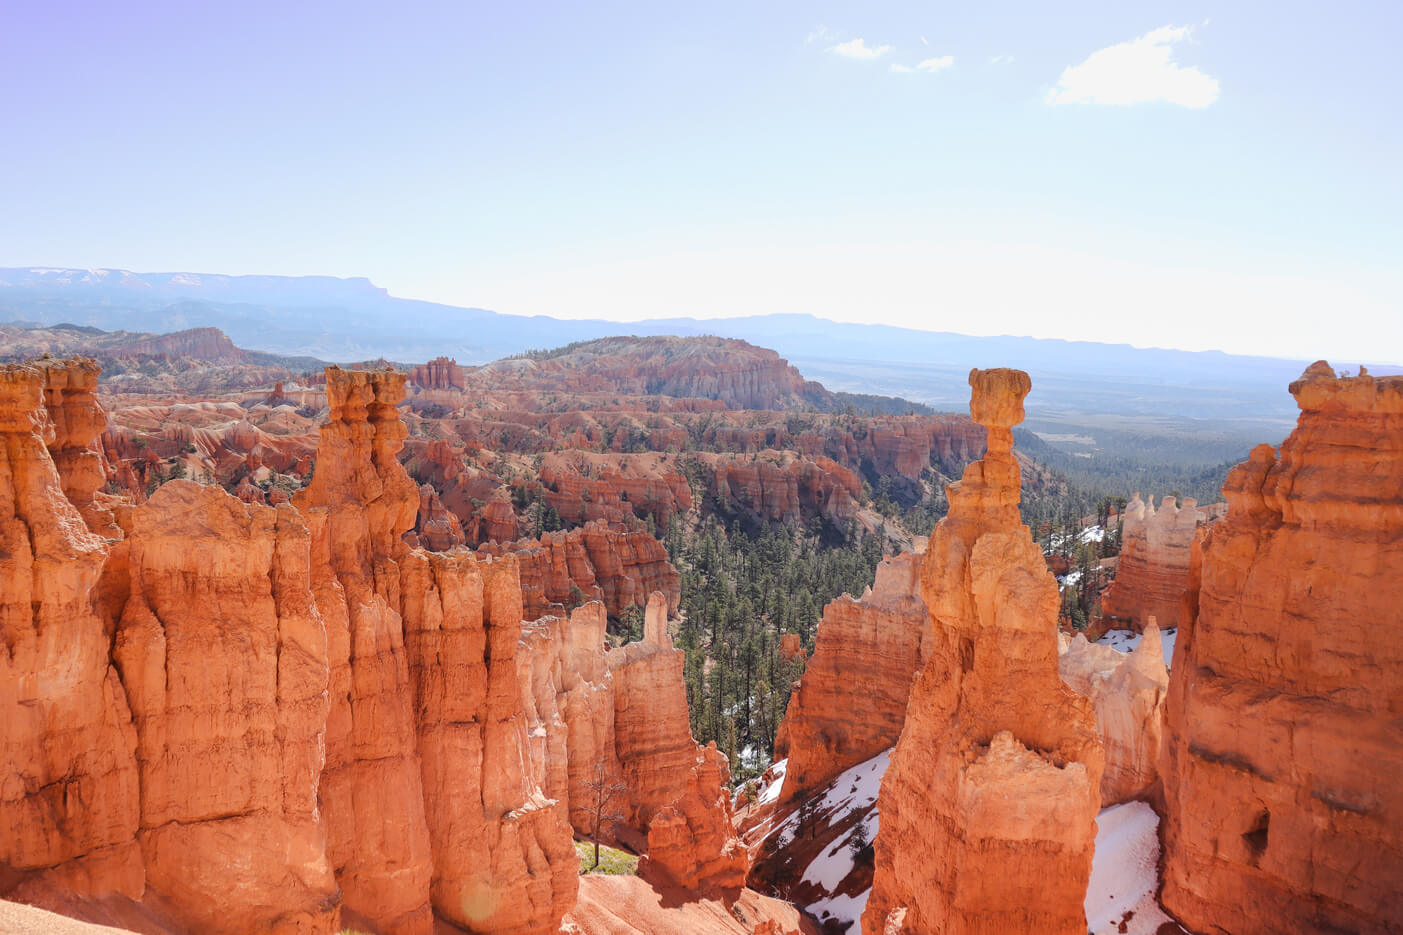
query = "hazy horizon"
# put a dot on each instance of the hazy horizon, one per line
(1171, 175)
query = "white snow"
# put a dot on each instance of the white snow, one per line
(1124, 872)
(1092, 534)
(1126, 640)
(752, 758)
(841, 908)
(1070, 578)
(832, 866)
(855, 789)
(771, 792)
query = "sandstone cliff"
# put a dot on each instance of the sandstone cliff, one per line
(69, 801)
(359, 504)
(253, 717)
(620, 567)
(850, 704)
(1153, 568)
(1282, 756)
(223, 656)
(426, 793)
(994, 785)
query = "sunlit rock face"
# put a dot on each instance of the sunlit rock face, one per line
(994, 786)
(851, 703)
(69, 800)
(1127, 691)
(1152, 571)
(223, 655)
(1285, 709)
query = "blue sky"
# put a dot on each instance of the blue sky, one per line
(1174, 174)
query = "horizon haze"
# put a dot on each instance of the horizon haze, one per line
(1172, 175)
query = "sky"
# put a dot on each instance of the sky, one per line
(1191, 174)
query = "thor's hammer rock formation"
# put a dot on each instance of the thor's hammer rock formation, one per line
(989, 805)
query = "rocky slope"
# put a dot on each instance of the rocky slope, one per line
(1280, 773)
(989, 723)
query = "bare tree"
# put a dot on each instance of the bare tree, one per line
(602, 791)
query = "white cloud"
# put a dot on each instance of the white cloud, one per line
(1000, 59)
(1136, 72)
(902, 69)
(857, 48)
(935, 64)
(820, 34)
(923, 41)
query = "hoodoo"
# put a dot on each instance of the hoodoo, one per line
(1284, 734)
(989, 805)
(851, 703)
(69, 802)
(1153, 569)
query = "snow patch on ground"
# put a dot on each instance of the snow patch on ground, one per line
(1070, 578)
(833, 866)
(842, 909)
(770, 793)
(855, 789)
(1092, 534)
(1125, 872)
(1126, 641)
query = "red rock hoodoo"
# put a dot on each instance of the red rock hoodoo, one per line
(994, 786)
(1281, 767)
(851, 702)
(675, 786)
(69, 801)
(1153, 570)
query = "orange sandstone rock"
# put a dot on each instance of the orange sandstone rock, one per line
(993, 788)
(1282, 756)
(436, 528)
(674, 786)
(69, 806)
(70, 396)
(1153, 569)
(502, 857)
(652, 729)
(223, 656)
(691, 841)
(359, 504)
(851, 703)
(618, 566)
(1127, 691)
(568, 698)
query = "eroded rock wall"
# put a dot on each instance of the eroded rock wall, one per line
(617, 566)
(989, 725)
(359, 504)
(69, 801)
(1153, 568)
(675, 786)
(1284, 731)
(851, 702)
(223, 655)
(1127, 691)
